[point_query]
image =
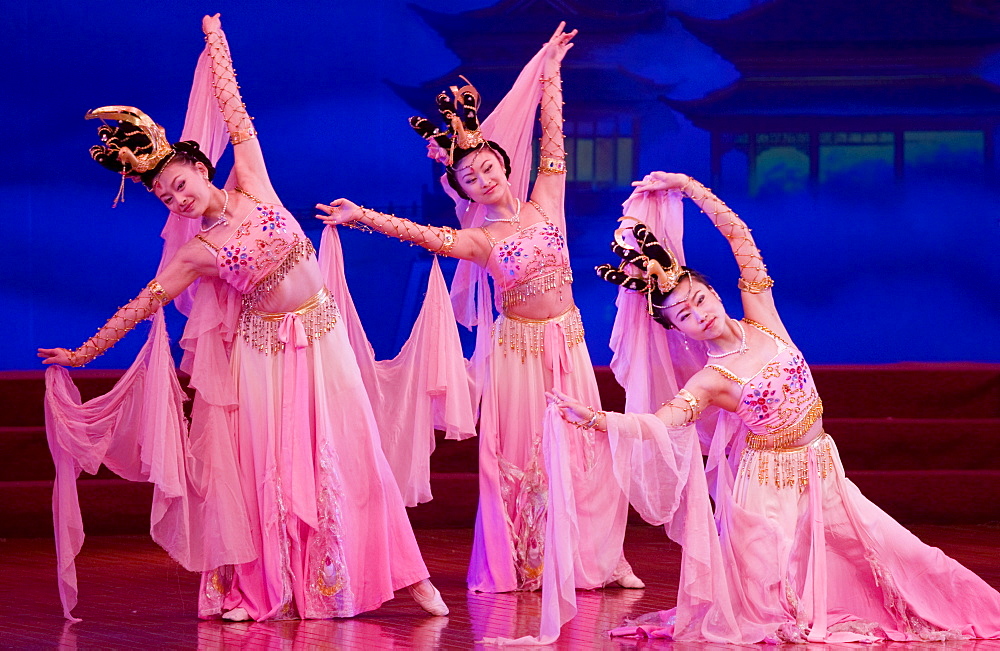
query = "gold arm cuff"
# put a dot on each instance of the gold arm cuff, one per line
(755, 286)
(160, 294)
(236, 137)
(447, 241)
(549, 165)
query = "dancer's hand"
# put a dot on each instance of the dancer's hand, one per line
(559, 45)
(338, 212)
(211, 24)
(572, 412)
(58, 356)
(661, 181)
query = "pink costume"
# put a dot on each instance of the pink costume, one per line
(793, 552)
(312, 469)
(529, 357)
(582, 547)
(278, 491)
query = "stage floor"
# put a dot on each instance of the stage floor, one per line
(133, 596)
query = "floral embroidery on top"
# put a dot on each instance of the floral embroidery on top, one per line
(759, 399)
(271, 221)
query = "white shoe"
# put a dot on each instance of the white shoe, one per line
(433, 604)
(631, 581)
(236, 615)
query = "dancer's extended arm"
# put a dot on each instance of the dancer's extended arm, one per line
(175, 277)
(248, 158)
(467, 243)
(682, 409)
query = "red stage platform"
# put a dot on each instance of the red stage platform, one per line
(921, 440)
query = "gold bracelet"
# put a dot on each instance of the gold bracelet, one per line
(73, 361)
(755, 286)
(591, 422)
(549, 165)
(447, 240)
(692, 402)
(160, 294)
(242, 135)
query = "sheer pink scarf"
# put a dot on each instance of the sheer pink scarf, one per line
(425, 387)
(660, 468)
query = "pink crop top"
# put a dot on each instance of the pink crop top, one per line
(529, 262)
(779, 403)
(260, 252)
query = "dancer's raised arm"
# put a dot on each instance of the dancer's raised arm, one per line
(248, 158)
(550, 186)
(754, 283)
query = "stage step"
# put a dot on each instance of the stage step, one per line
(921, 440)
(916, 443)
(116, 506)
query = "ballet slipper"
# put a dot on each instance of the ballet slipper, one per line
(631, 581)
(236, 615)
(432, 603)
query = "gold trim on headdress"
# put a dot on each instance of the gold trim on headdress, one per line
(463, 138)
(157, 137)
(666, 278)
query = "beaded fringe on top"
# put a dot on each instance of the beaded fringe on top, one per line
(521, 292)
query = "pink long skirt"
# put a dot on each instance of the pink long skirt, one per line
(332, 534)
(528, 358)
(807, 558)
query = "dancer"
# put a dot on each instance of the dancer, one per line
(283, 497)
(799, 553)
(537, 341)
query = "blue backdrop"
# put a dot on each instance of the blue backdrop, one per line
(865, 273)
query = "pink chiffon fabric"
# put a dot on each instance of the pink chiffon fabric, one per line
(533, 468)
(278, 490)
(770, 564)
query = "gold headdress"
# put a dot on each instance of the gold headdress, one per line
(461, 113)
(138, 150)
(658, 272)
(137, 147)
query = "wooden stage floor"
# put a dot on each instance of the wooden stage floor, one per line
(133, 596)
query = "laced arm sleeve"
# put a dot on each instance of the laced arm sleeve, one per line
(753, 273)
(552, 150)
(435, 239)
(227, 91)
(140, 308)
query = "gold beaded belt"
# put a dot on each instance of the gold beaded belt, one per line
(789, 467)
(780, 438)
(527, 336)
(318, 316)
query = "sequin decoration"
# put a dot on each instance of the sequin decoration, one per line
(759, 399)
(237, 257)
(510, 254)
(797, 373)
(271, 221)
